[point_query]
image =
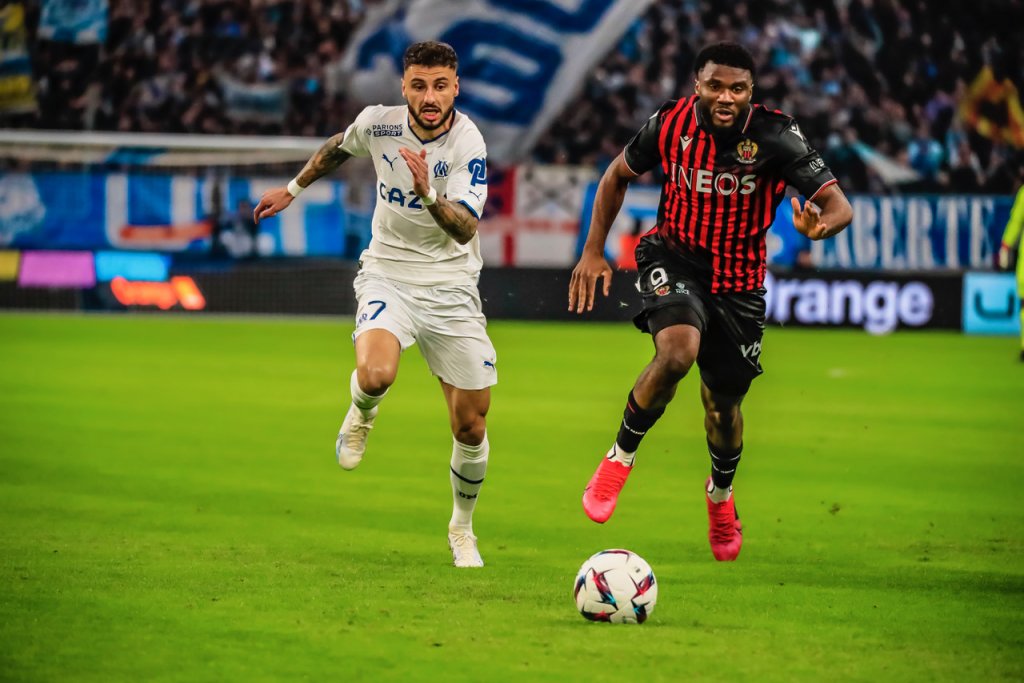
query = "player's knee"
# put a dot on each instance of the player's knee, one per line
(375, 379)
(675, 362)
(471, 431)
(723, 421)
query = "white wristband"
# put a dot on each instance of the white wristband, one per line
(431, 197)
(294, 189)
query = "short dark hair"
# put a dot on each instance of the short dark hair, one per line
(725, 54)
(430, 53)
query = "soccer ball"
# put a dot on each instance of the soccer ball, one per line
(616, 586)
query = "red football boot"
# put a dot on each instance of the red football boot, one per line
(602, 492)
(724, 528)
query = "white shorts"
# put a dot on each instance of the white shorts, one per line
(446, 321)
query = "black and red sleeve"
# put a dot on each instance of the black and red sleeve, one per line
(802, 166)
(643, 153)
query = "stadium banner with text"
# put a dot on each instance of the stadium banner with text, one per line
(877, 302)
(74, 21)
(17, 92)
(520, 61)
(991, 304)
(168, 213)
(905, 232)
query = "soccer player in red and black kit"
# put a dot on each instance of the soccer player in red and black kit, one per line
(726, 164)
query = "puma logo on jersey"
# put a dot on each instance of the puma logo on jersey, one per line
(391, 162)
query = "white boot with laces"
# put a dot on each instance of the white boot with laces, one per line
(351, 442)
(464, 551)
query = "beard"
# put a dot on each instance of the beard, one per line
(707, 113)
(441, 120)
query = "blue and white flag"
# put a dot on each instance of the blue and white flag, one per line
(520, 61)
(260, 102)
(74, 21)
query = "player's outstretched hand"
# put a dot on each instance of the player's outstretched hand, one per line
(417, 164)
(272, 203)
(808, 220)
(584, 281)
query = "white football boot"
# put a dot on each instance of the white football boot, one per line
(351, 443)
(464, 551)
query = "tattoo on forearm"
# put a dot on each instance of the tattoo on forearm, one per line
(454, 218)
(326, 159)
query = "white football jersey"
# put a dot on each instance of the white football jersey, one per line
(407, 244)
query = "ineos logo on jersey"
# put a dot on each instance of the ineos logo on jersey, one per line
(707, 182)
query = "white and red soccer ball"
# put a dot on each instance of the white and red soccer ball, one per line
(617, 586)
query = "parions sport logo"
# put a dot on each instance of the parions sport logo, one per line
(380, 130)
(707, 182)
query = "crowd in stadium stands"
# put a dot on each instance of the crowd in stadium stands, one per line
(172, 66)
(859, 75)
(893, 80)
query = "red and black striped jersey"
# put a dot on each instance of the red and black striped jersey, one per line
(721, 189)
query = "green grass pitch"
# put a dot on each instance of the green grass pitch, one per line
(171, 510)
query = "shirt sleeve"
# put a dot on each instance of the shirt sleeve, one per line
(1015, 226)
(641, 153)
(357, 136)
(467, 184)
(802, 166)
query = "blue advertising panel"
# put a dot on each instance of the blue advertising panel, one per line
(167, 213)
(909, 232)
(991, 305)
(132, 266)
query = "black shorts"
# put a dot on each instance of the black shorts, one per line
(676, 291)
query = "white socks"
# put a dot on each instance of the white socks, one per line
(362, 400)
(468, 467)
(620, 456)
(718, 495)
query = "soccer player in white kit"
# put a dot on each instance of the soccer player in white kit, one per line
(417, 281)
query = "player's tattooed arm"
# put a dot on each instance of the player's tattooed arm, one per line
(329, 157)
(326, 159)
(454, 218)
